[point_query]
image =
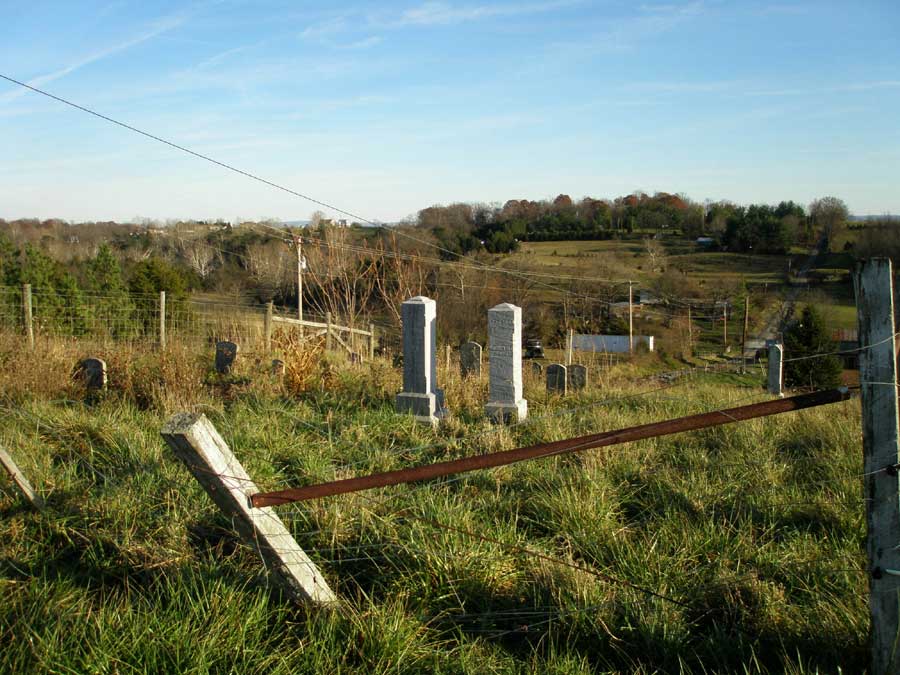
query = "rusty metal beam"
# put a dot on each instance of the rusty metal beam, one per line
(606, 438)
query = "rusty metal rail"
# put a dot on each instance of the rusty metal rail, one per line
(606, 438)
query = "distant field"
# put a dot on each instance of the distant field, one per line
(627, 259)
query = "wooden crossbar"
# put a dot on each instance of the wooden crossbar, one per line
(606, 438)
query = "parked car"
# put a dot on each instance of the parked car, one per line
(534, 349)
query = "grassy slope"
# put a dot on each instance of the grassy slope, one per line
(755, 528)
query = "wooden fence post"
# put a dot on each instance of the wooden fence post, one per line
(162, 320)
(371, 341)
(570, 338)
(195, 441)
(28, 315)
(13, 470)
(873, 283)
(270, 311)
(328, 340)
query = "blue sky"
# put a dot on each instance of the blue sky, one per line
(385, 108)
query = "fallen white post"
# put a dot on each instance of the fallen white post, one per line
(195, 441)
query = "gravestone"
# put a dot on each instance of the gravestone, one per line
(277, 367)
(576, 377)
(505, 364)
(556, 379)
(776, 356)
(226, 353)
(420, 396)
(537, 369)
(470, 359)
(93, 374)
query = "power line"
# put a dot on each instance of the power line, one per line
(270, 183)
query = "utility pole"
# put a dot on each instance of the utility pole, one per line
(630, 319)
(744, 334)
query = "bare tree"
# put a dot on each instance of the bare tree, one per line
(828, 214)
(656, 252)
(199, 256)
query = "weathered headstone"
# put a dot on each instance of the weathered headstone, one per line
(576, 377)
(556, 378)
(537, 369)
(277, 367)
(505, 366)
(420, 395)
(470, 359)
(226, 353)
(776, 356)
(93, 374)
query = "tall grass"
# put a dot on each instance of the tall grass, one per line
(750, 536)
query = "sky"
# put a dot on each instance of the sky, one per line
(385, 108)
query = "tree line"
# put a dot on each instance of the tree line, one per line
(462, 228)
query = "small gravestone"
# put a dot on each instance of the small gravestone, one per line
(277, 367)
(537, 369)
(576, 377)
(470, 359)
(226, 353)
(556, 378)
(93, 374)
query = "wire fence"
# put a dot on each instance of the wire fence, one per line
(144, 319)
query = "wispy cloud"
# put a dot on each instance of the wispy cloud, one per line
(324, 29)
(365, 43)
(443, 13)
(158, 28)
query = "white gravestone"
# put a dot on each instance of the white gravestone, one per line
(420, 395)
(776, 356)
(505, 365)
(470, 359)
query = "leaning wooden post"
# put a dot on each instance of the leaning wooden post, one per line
(873, 283)
(162, 319)
(13, 470)
(195, 441)
(28, 314)
(267, 329)
(328, 331)
(570, 338)
(371, 341)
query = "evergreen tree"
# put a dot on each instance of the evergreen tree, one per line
(110, 303)
(58, 302)
(806, 337)
(147, 279)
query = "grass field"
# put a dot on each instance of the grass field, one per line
(736, 549)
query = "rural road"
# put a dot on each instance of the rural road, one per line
(775, 322)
